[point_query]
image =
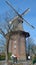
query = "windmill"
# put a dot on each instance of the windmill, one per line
(18, 37)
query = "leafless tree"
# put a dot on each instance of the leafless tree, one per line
(31, 46)
(7, 35)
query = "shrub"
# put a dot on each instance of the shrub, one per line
(2, 57)
(34, 59)
(9, 54)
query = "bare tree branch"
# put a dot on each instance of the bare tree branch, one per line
(2, 32)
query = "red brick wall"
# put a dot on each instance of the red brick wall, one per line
(17, 46)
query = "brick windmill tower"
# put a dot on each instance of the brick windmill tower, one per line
(17, 44)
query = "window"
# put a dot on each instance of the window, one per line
(15, 46)
(14, 41)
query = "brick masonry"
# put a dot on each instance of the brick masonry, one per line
(17, 46)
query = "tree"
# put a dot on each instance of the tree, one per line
(31, 47)
(8, 28)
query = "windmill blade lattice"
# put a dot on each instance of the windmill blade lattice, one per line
(21, 14)
(25, 12)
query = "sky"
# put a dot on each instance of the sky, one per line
(21, 6)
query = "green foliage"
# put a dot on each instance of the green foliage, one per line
(34, 59)
(9, 54)
(2, 57)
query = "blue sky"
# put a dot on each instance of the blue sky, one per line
(21, 6)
